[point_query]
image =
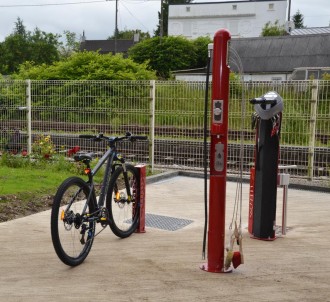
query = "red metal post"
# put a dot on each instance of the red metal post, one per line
(218, 153)
(142, 197)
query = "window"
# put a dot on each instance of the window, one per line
(234, 7)
(276, 80)
(187, 8)
(312, 74)
(271, 6)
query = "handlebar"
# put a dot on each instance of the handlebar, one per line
(262, 100)
(99, 137)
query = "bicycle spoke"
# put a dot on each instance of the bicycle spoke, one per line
(70, 225)
(123, 207)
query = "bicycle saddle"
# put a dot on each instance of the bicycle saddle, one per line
(84, 156)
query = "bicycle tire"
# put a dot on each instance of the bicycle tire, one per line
(66, 225)
(124, 214)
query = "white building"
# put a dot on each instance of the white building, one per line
(241, 18)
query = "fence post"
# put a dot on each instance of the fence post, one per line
(152, 124)
(312, 129)
(28, 115)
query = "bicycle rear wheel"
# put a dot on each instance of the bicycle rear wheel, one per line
(124, 210)
(72, 232)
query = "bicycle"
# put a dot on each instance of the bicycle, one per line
(76, 208)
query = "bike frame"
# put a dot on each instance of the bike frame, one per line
(110, 156)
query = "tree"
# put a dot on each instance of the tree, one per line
(22, 46)
(201, 51)
(163, 19)
(14, 52)
(167, 54)
(129, 34)
(20, 28)
(43, 47)
(271, 29)
(70, 46)
(298, 20)
(87, 65)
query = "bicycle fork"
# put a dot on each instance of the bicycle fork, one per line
(118, 196)
(127, 185)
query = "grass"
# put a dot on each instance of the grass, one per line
(27, 190)
(24, 176)
(30, 180)
(28, 186)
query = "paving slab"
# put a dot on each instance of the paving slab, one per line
(163, 264)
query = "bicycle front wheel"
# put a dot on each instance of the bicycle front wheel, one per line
(71, 229)
(123, 205)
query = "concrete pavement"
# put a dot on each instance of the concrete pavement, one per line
(163, 264)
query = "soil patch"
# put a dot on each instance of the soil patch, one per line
(12, 207)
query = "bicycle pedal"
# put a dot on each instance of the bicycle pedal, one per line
(104, 215)
(104, 221)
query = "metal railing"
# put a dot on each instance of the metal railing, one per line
(171, 114)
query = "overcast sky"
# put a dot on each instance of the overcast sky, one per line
(97, 17)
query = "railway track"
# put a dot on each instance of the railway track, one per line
(186, 153)
(165, 131)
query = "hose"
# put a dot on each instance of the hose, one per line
(205, 151)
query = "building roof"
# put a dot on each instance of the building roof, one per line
(282, 54)
(222, 2)
(310, 31)
(106, 46)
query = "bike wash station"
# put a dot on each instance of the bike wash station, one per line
(264, 176)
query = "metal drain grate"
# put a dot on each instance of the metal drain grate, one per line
(165, 222)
